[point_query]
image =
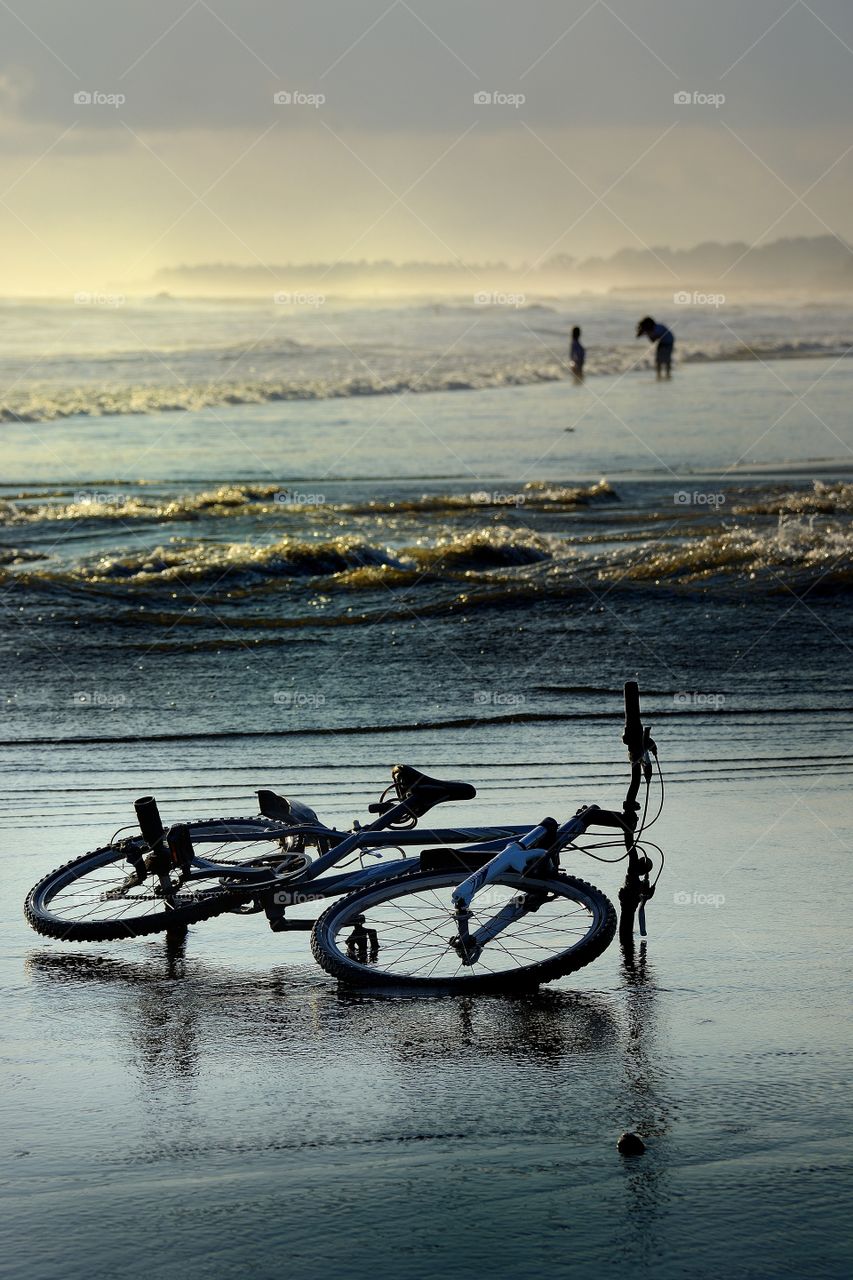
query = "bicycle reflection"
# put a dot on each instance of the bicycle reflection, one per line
(602, 1050)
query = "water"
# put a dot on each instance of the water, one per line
(298, 593)
(107, 354)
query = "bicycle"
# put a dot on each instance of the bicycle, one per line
(480, 909)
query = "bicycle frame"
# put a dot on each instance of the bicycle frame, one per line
(365, 839)
(515, 848)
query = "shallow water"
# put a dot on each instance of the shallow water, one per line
(106, 354)
(206, 633)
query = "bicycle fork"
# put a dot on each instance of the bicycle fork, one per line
(519, 856)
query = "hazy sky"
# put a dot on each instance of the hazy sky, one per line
(199, 163)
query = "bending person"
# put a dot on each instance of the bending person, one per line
(665, 340)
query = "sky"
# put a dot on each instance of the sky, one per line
(134, 138)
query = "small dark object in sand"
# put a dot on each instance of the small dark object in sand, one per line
(630, 1144)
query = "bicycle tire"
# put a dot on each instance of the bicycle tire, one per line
(329, 955)
(183, 912)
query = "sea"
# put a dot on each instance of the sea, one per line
(291, 542)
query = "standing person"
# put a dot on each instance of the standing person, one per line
(578, 355)
(665, 340)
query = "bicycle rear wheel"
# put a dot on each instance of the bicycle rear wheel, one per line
(98, 898)
(412, 918)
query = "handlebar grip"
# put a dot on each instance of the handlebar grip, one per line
(150, 822)
(633, 735)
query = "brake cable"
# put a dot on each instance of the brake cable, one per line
(662, 796)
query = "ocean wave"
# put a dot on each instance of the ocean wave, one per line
(781, 350)
(49, 402)
(796, 551)
(233, 500)
(16, 555)
(204, 562)
(348, 558)
(94, 505)
(484, 549)
(822, 499)
(489, 564)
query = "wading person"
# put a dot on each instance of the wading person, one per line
(577, 355)
(665, 340)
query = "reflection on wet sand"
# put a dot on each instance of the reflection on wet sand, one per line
(646, 1104)
(529, 1055)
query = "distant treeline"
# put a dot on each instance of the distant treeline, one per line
(821, 263)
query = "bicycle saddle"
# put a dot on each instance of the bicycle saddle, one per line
(421, 792)
(280, 809)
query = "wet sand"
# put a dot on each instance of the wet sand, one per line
(222, 1108)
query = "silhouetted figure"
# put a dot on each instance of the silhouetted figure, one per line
(665, 340)
(578, 355)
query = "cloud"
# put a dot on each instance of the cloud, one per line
(176, 149)
(412, 65)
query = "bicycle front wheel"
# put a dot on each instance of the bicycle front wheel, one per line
(399, 933)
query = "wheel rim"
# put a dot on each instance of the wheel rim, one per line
(101, 894)
(414, 924)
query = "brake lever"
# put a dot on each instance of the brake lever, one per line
(649, 746)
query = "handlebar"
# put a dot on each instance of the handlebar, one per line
(634, 736)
